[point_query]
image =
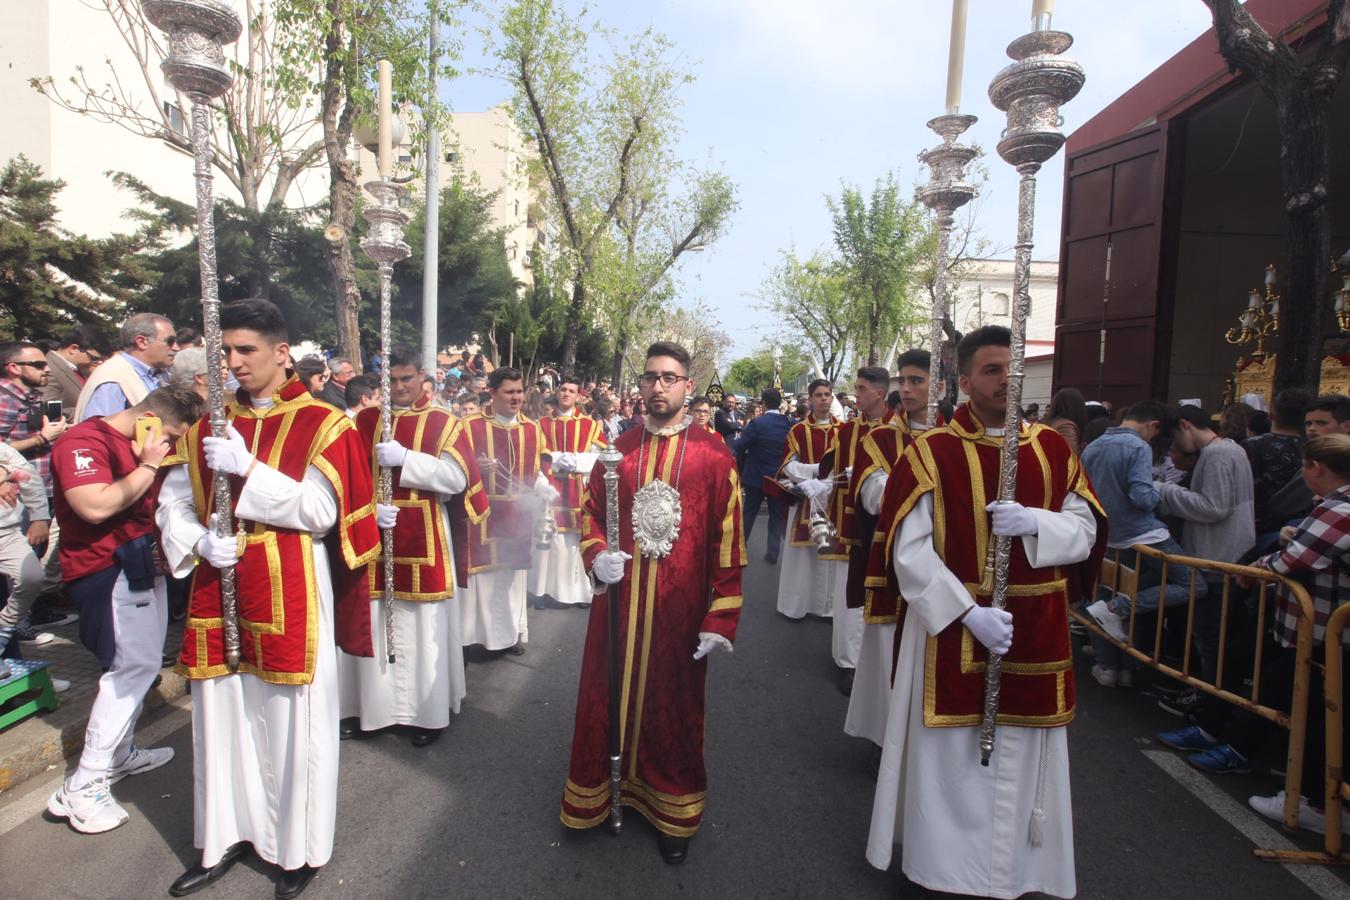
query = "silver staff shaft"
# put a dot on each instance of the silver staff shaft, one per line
(1031, 91)
(195, 65)
(386, 246)
(610, 459)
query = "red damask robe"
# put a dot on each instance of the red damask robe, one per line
(275, 578)
(574, 433)
(505, 539)
(665, 605)
(422, 546)
(1037, 687)
(846, 453)
(808, 442)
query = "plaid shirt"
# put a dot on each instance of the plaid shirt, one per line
(1318, 556)
(20, 418)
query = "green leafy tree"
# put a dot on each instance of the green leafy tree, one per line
(602, 129)
(811, 296)
(752, 374)
(882, 243)
(51, 279)
(476, 290)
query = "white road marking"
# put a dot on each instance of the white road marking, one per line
(1253, 826)
(39, 789)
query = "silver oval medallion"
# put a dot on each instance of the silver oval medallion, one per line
(656, 519)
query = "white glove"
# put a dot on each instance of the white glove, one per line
(814, 487)
(221, 552)
(708, 642)
(1012, 519)
(991, 627)
(544, 490)
(386, 515)
(608, 566)
(800, 471)
(390, 454)
(564, 463)
(228, 454)
(848, 474)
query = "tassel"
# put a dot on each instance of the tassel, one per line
(1035, 830)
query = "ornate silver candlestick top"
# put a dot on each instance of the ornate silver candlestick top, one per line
(946, 191)
(1031, 91)
(197, 30)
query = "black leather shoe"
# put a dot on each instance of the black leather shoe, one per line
(168, 662)
(423, 737)
(517, 649)
(293, 882)
(846, 681)
(674, 850)
(771, 560)
(198, 876)
(349, 728)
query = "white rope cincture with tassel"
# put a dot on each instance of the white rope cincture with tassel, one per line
(1036, 827)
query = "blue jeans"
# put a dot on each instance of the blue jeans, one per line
(1176, 592)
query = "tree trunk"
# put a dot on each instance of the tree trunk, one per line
(341, 263)
(1305, 164)
(572, 331)
(620, 353)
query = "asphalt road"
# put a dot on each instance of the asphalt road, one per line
(476, 814)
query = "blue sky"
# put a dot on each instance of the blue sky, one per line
(793, 96)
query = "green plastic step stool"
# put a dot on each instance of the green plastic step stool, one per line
(27, 690)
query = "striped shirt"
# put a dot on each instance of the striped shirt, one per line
(1318, 556)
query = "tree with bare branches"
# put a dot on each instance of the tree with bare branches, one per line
(1300, 79)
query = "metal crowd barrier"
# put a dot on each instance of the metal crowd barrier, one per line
(1122, 579)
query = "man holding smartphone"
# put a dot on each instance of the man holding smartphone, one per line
(107, 476)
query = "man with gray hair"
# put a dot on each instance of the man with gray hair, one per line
(149, 343)
(189, 370)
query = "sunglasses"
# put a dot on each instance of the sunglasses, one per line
(37, 364)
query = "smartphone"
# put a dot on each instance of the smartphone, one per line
(144, 425)
(54, 411)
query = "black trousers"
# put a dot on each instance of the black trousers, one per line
(777, 519)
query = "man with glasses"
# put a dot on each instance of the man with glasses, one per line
(149, 344)
(69, 365)
(23, 425)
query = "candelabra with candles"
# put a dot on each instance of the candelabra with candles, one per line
(1342, 304)
(1259, 320)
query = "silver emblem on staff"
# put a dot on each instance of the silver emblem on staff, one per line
(197, 29)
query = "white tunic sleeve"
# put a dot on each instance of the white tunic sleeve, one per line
(439, 474)
(586, 461)
(1064, 537)
(179, 528)
(930, 589)
(275, 499)
(871, 492)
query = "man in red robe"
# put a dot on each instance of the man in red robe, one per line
(265, 738)
(1005, 829)
(678, 585)
(570, 439)
(509, 450)
(432, 465)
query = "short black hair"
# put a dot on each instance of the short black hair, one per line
(875, 375)
(570, 379)
(893, 400)
(504, 373)
(701, 398)
(673, 350)
(309, 367)
(10, 349)
(919, 359)
(772, 398)
(818, 383)
(359, 389)
(403, 355)
(1192, 414)
(1148, 411)
(1288, 407)
(986, 336)
(255, 314)
(1336, 404)
(186, 336)
(174, 403)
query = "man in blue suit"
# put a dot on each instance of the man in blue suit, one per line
(759, 452)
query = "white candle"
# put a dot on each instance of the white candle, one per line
(956, 55)
(1270, 274)
(1041, 8)
(1253, 299)
(386, 78)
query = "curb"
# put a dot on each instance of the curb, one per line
(60, 733)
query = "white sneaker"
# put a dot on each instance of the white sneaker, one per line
(1111, 623)
(91, 809)
(1308, 818)
(139, 761)
(1125, 678)
(1104, 676)
(60, 685)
